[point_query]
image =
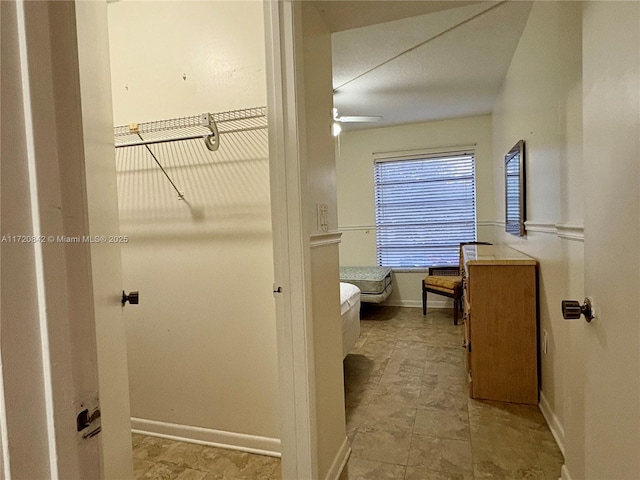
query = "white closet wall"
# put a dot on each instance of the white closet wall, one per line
(202, 341)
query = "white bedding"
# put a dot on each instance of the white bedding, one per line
(350, 312)
(375, 283)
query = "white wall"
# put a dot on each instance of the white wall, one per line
(540, 102)
(218, 46)
(325, 290)
(202, 342)
(356, 215)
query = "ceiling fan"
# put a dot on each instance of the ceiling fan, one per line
(338, 119)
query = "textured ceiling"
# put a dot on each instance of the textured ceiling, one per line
(446, 64)
(346, 14)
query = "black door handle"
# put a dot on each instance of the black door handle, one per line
(571, 310)
(132, 298)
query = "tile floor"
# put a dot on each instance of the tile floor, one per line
(159, 458)
(408, 417)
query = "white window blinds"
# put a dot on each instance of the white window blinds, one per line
(425, 207)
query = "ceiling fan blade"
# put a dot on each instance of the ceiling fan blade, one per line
(359, 118)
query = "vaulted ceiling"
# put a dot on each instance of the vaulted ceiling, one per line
(420, 61)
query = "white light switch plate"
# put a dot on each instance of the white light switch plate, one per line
(323, 217)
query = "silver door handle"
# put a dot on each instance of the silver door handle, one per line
(571, 310)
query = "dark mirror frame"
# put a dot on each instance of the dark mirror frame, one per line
(514, 190)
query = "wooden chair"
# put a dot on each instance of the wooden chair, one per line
(446, 281)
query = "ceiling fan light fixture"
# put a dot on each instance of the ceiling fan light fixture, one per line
(359, 118)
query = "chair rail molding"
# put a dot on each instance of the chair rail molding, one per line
(570, 231)
(325, 238)
(541, 227)
(347, 228)
(566, 231)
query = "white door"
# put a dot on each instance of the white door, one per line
(59, 189)
(102, 203)
(611, 120)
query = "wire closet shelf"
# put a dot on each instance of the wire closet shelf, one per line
(204, 126)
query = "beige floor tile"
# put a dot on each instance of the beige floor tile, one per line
(448, 355)
(389, 445)
(189, 474)
(399, 390)
(136, 439)
(388, 415)
(163, 471)
(359, 469)
(510, 461)
(417, 473)
(189, 455)
(223, 464)
(500, 431)
(150, 448)
(441, 455)
(408, 416)
(433, 422)
(443, 396)
(141, 467)
(550, 461)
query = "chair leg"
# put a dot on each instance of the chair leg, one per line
(424, 299)
(455, 311)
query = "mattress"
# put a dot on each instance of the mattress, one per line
(349, 295)
(350, 314)
(375, 283)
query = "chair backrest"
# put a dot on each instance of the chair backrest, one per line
(444, 271)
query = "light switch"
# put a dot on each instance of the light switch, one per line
(323, 217)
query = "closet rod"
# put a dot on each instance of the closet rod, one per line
(142, 141)
(187, 128)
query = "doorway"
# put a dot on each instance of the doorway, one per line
(201, 344)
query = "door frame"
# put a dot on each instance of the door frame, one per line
(62, 453)
(291, 241)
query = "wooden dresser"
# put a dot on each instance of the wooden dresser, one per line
(500, 327)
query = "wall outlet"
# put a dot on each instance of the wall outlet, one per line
(545, 342)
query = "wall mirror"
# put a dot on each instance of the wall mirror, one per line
(515, 190)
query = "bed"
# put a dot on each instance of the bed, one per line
(375, 283)
(350, 312)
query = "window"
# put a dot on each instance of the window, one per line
(425, 207)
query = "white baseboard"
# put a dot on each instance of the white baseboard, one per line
(554, 424)
(564, 473)
(418, 303)
(340, 461)
(207, 436)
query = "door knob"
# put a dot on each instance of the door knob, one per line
(132, 298)
(571, 310)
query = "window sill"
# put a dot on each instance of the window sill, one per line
(410, 270)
